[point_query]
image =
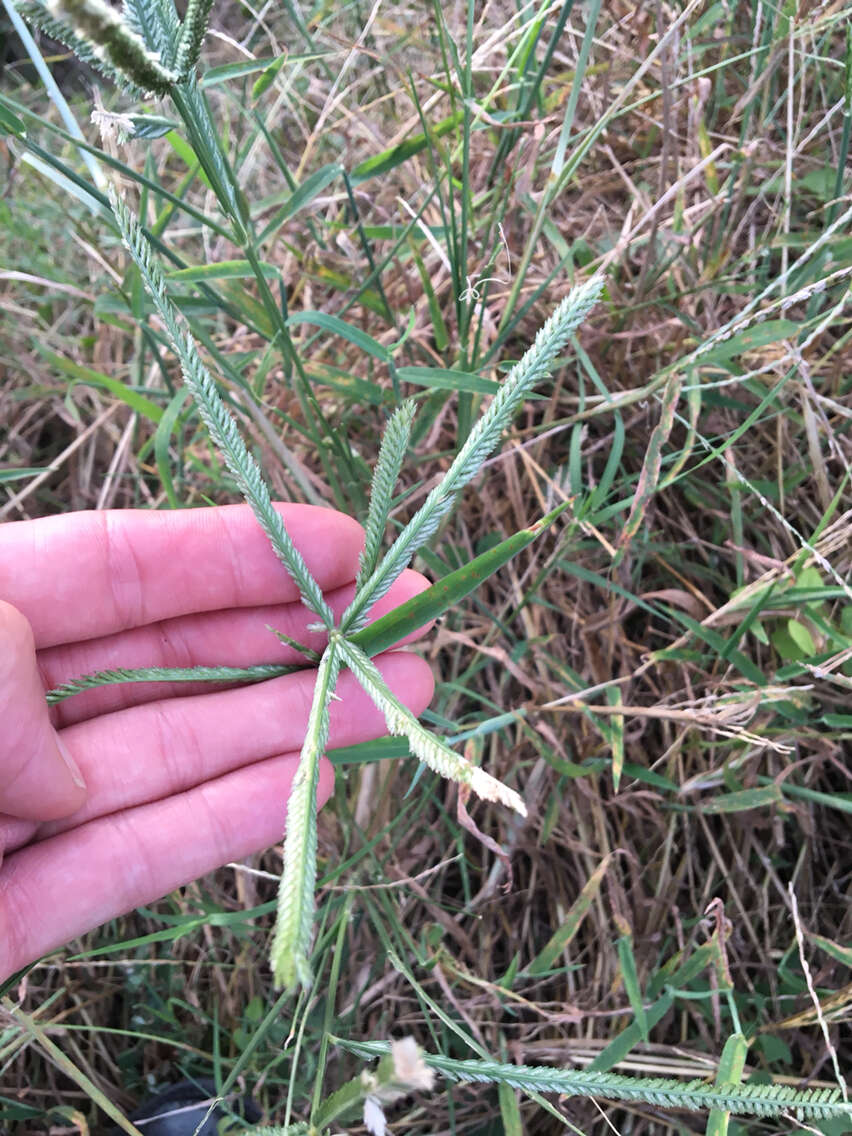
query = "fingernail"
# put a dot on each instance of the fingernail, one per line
(73, 767)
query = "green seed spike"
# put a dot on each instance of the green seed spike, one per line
(110, 38)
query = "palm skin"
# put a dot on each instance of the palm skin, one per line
(177, 780)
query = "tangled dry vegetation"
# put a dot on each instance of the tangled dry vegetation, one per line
(685, 763)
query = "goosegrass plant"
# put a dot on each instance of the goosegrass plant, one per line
(292, 939)
(147, 50)
(737, 675)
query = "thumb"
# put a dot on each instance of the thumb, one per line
(39, 779)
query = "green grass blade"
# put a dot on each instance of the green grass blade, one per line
(448, 591)
(730, 1072)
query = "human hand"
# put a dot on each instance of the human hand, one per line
(123, 793)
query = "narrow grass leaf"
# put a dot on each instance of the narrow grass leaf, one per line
(616, 735)
(510, 1111)
(743, 800)
(336, 326)
(395, 156)
(216, 76)
(268, 76)
(162, 444)
(20, 473)
(301, 197)
(753, 338)
(630, 1037)
(437, 378)
(223, 270)
(730, 1072)
(630, 978)
(651, 466)
(449, 591)
(11, 124)
(86, 376)
(550, 954)
(837, 950)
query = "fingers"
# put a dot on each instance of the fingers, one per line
(83, 575)
(149, 752)
(238, 637)
(86, 876)
(38, 778)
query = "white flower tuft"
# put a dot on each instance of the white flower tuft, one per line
(374, 1117)
(409, 1068)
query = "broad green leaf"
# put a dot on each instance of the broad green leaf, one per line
(761, 335)
(730, 1072)
(440, 379)
(743, 800)
(223, 270)
(394, 156)
(337, 326)
(87, 377)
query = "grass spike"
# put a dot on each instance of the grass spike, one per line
(291, 942)
(664, 1092)
(192, 33)
(480, 444)
(391, 456)
(219, 421)
(110, 37)
(156, 21)
(424, 744)
(259, 673)
(37, 15)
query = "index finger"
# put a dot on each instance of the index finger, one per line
(81, 575)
